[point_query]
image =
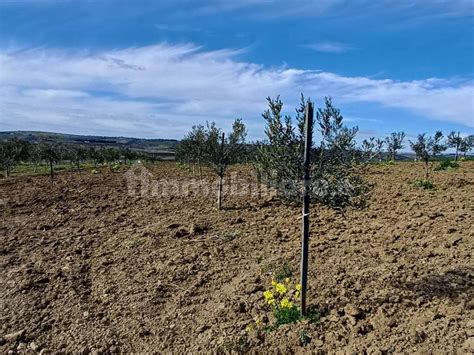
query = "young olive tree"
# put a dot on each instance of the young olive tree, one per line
(95, 154)
(195, 141)
(455, 141)
(278, 160)
(184, 151)
(220, 151)
(51, 153)
(35, 156)
(335, 181)
(76, 155)
(12, 151)
(467, 144)
(372, 148)
(379, 143)
(128, 155)
(427, 147)
(394, 143)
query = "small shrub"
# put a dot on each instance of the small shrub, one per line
(447, 165)
(425, 184)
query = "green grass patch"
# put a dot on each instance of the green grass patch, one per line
(424, 184)
(447, 165)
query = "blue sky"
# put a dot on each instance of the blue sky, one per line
(154, 68)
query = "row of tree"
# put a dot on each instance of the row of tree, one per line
(336, 161)
(13, 151)
(394, 143)
(210, 146)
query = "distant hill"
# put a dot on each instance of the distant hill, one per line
(148, 145)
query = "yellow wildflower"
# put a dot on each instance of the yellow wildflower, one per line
(257, 321)
(271, 302)
(298, 287)
(287, 280)
(249, 328)
(297, 294)
(268, 295)
(274, 283)
(281, 289)
(285, 303)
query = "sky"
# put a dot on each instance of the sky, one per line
(153, 69)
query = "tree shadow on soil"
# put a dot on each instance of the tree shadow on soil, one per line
(451, 284)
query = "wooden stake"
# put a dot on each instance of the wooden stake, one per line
(221, 175)
(306, 187)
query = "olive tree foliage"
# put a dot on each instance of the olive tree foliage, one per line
(278, 161)
(427, 147)
(76, 154)
(210, 146)
(394, 143)
(379, 144)
(467, 144)
(52, 154)
(459, 143)
(455, 141)
(34, 155)
(372, 149)
(12, 151)
(337, 182)
(191, 149)
(220, 151)
(335, 179)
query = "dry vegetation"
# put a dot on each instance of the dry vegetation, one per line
(86, 267)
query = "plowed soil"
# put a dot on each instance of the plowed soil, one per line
(85, 267)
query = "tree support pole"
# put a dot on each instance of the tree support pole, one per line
(221, 175)
(306, 190)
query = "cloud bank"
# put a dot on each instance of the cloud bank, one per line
(161, 90)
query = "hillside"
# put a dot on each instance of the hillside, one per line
(149, 145)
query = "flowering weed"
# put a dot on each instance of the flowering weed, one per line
(281, 300)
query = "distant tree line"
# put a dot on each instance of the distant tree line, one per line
(14, 151)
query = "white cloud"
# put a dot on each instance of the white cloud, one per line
(329, 47)
(408, 12)
(161, 90)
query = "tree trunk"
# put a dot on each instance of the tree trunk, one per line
(219, 193)
(221, 174)
(457, 152)
(426, 170)
(51, 170)
(200, 169)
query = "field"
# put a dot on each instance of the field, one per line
(87, 267)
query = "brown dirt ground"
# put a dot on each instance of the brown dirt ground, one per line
(85, 267)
